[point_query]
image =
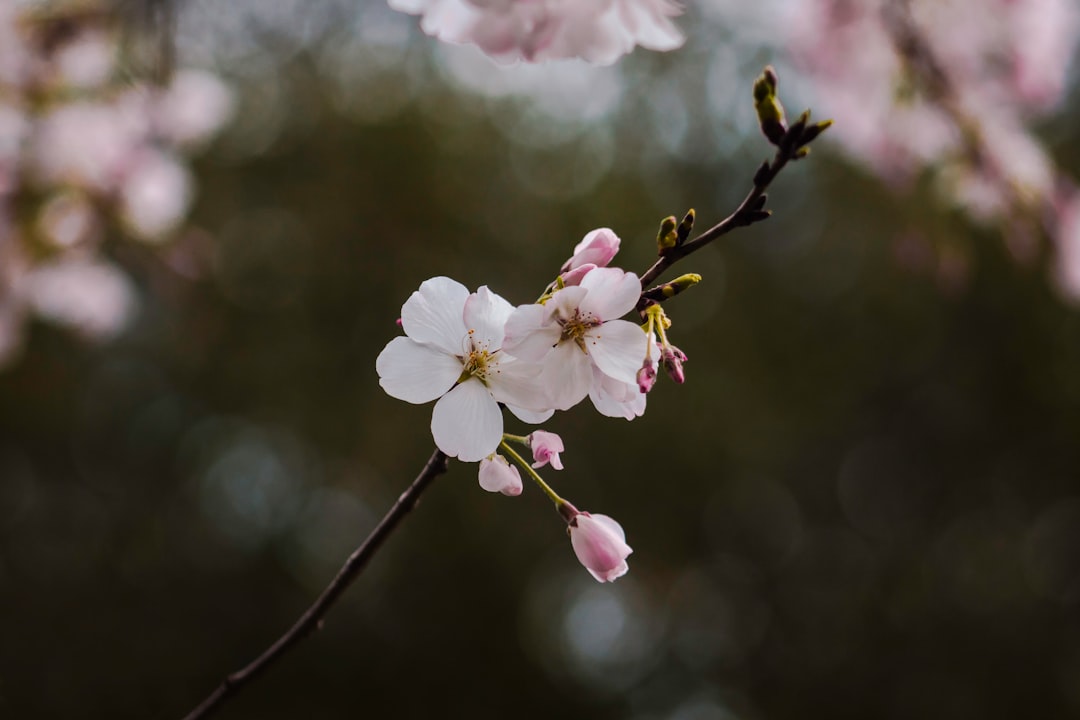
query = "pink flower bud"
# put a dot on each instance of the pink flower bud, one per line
(573, 277)
(546, 447)
(600, 545)
(597, 248)
(673, 359)
(497, 475)
(646, 376)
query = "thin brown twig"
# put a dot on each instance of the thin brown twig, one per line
(750, 211)
(312, 618)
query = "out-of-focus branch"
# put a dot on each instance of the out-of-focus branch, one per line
(312, 619)
(941, 90)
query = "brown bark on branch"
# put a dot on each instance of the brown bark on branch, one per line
(312, 618)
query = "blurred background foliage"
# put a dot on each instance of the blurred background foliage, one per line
(864, 503)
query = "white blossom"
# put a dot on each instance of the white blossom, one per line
(453, 353)
(578, 330)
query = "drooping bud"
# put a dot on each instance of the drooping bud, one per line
(769, 110)
(667, 237)
(600, 545)
(546, 447)
(498, 475)
(673, 359)
(646, 376)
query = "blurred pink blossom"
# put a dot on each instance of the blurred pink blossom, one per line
(598, 31)
(82, 146)
(92, 297)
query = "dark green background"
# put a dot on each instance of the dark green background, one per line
(863, 503)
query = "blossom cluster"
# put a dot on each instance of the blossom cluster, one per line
(949, 87)
(86, 152)
(597, 31)
(473, 352)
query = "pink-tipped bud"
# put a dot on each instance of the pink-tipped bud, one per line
(498, 475)
(546, 447)
(646, 376)
(600, 545)
(398, 322)
(574, 277)
(596, 248)
(673, 359)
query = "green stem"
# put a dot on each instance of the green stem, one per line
(520, 439)
(532, 473)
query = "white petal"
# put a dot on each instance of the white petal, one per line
(526, 336)
(530, 416)
(567, 375)
(618, 349)
(485, 316)
(612, 398)
(516, 382)
(612, 293)
(564, 303)
(433, 315)
(415, 373)
(467, 423)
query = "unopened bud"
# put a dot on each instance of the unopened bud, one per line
(676, 286)
(667, 237)
(686, 226)
(673, 360)
(646, 376)
(769, 110)
(574, 277)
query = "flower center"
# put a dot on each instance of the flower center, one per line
(476, 360)
(576, 328)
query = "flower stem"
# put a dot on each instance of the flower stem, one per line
(520, 439)
(559, 502)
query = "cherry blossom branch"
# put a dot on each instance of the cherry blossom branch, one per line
(791, 144)
(312, 619)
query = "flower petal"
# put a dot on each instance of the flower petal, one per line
(527, 336)
(415, 373)
(567, 375)
(467, 423)
(618, 347)
(485, 317)
(612, 293)
(516, 382)
(433, 315)
(498, 475)
(533, 417)
(612, 398)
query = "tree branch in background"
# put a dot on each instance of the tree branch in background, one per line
(312, 619)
